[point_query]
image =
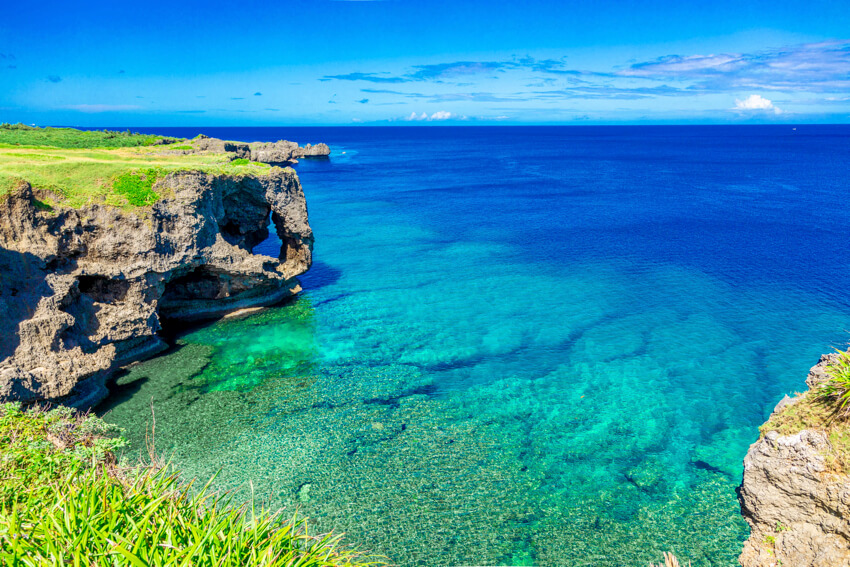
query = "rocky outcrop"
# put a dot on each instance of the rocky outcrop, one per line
(83, 291)
(796, 501)
(204, 144)
(281, 153)
(319, 150)
(285, 152)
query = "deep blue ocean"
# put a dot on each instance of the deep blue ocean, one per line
(543, 346)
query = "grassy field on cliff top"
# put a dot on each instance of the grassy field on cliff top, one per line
(73, 168)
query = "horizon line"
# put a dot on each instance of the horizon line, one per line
(501, 125)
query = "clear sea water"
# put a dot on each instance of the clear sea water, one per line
(540, 346)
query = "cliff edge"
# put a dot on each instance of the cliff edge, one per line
(83, 289)
(796, 488)
(281, 153)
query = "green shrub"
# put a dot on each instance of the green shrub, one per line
(18, 126)
(63, 501)
(137, 187)
(836, 390)
(23, 135)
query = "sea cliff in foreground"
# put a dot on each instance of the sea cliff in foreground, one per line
(796, 489)
(98, 246)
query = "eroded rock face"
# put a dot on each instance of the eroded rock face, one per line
(284, 152)
(82, 291)
(206, 144)
(797, 507)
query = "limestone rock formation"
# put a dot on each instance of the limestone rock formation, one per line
(284, 152)
(797, 505)
(82, 291)
(205, 144)
(281, 153)
(319, 150)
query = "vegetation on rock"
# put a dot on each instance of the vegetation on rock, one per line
(64, 499)
(836, 390)
(74, 168)
(137, 187)
(245, 161)
(19, 135)
(823, 408)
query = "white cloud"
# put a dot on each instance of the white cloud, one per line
(676, 65)
(756, 102)
(439, 115)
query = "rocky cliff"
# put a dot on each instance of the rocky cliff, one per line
(83, 291)
(796, 491)
(282, 152)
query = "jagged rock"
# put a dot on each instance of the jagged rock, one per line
(284, 152)
(82, 291)
(785, 402)
(798, 508)
(205, 144)
(817, 374)
(319, 150)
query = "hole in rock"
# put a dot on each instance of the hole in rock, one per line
(200, 283)
(272, 244)
(103, 289)
(234, 234)
(246, 213)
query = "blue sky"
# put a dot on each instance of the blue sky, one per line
(337, 62)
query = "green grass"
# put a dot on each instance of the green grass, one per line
(822, 409)
(137, 187)
(65, 501)
(836, 390)
(29, 136)
(244, 161)
(75, 177)
(812, 413)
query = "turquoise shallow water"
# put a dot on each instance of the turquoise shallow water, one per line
(521, 346)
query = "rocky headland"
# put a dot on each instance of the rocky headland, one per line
(84, 289)
(796, 488)
(281, 153)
